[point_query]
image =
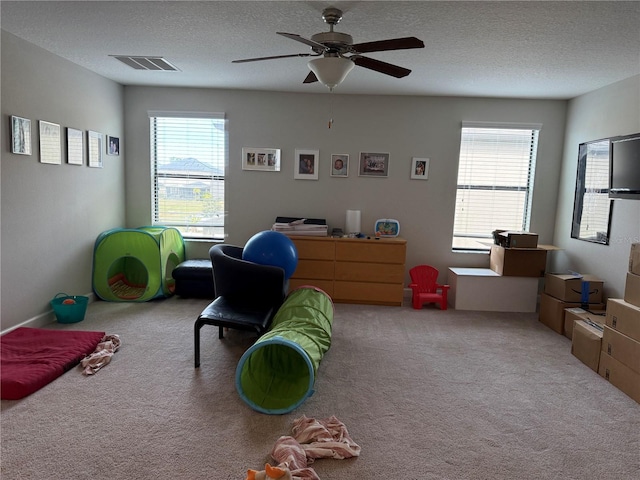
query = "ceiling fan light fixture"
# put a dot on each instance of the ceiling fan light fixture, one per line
(331, 71)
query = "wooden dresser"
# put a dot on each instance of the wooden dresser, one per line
(352, 270)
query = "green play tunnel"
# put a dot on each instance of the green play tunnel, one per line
(278, 372)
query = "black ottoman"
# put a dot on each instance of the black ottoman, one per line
(194, 278)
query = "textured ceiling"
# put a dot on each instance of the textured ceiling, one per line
(531, 49)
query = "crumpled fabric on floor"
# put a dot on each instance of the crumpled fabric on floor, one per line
(311, 439)
(102, 354)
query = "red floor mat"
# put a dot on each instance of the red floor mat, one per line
(30, 358)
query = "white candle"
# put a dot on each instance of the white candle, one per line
(353, 221)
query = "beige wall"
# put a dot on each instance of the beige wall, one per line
(405, 127)
(52, 214)
(607, 112)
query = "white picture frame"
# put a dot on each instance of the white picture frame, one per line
(261, 159)
(339, 167)
(306, 164)
(50, 144)
(75, 146)
(419, 168)
(20, 135)
(94, 149)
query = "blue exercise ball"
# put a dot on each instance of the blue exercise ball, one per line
(272, 248)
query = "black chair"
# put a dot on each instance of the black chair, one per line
(247, 295)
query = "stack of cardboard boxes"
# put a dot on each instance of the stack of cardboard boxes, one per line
(620, 353)
(516, 254)
(566, 291)
(610, 344)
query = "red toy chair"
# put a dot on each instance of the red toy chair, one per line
(425, 286)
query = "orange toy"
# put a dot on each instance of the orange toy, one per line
(68, 301)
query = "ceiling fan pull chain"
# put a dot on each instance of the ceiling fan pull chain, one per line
(330, 108)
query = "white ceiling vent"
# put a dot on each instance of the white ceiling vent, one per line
(146, 63)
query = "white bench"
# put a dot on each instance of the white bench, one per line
(485, 290)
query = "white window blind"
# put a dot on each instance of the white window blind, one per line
(188, 158)
(495, 181)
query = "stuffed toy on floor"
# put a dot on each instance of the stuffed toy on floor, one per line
(269, 473)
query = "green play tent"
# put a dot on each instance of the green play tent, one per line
(135, 264)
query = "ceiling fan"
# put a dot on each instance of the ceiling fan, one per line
(338, 54)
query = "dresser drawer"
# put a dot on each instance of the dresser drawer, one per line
(373, 251)
(324, 285)
(322, 269)
(319, 249)
(371, 293)
(369, 272)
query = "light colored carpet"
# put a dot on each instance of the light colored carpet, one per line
(427, 394)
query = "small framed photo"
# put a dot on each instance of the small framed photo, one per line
(94, 149)
(75, 146)
(20, 135)
(264, 159)
(340, 165)
(50, 143)
(373, 164)
(113, 145)
(306, 164)
(419, 168)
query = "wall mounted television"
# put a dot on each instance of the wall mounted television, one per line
(624, 167)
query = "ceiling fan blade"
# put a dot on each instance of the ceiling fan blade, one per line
(392, 44)
(274, 57)
(310, 78)
(315, 45)
(382, 67)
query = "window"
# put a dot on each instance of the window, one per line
(495, 182)
(592, 205)
(188, 157)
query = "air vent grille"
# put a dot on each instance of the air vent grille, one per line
(146, 63)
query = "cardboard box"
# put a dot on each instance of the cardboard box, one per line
(518, 262)
(634, 259)
(586, 344)
(513, 239)
(620, 375)
(624, 349)
(569, 287)
(573, 314)
(632, 289)
(552, 311)
(623, 317)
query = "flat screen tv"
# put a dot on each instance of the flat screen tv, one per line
(624, 163)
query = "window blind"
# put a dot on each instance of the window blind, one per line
(188, 158)
(495, 181)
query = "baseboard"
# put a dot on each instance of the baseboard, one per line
(43, 319)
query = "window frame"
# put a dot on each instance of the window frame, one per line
(212, 230)
(481, 243)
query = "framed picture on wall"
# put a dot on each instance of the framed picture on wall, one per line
(113, 145)
(373, 164)
(75, 146)
(419, 168)
(20, 135)
(305, 164)
(264, 159)
(50, 143)
(94, 149)
(340, 165)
